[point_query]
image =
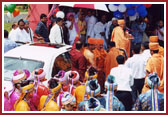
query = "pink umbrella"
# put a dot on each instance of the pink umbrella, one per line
(90, 6)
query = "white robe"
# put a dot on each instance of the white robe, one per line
(90, 26)
(108, 29)
(12, 34)
(55, 35)
(98, 28)
(72, 33)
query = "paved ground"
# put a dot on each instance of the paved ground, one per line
(15, 19)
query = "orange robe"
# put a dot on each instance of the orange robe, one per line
(89, 56)
(155, 64)
(99, 57)
(111, 61)
(120, 39)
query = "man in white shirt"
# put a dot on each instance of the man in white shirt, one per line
(146, 52)
(124, 79)
(56, 33)
(13, 31)
(137, 64)
(90, 25)
(100, 29)
(21, 35)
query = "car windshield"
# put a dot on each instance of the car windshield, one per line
(13, 64)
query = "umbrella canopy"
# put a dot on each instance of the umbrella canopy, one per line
(90, 6)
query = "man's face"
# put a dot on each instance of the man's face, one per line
(89, 13)
(16, 25)
(161, 23)
(114, 22)
(91, 47)
(21, 25)
(71, 17)
(44, 19)
(60, 23)
(26, 25)
(69, 107)
(103, 19)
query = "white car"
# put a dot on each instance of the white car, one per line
(50, 57)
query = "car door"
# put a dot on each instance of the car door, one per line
(62, 62)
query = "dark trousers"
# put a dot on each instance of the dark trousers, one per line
(126, 98)
(137, 88)
(101, 80)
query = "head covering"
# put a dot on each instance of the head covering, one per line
(113, 19)
(153, 82)
(26, 71)
(93, 88)
(73, 77)
(70, 14)
(154, 46)
(61, 76)
(100, 41)
(153, 38)
(17, 78)
(110, 85)
(121, 22)
(40, 74)
(92, 104)
(91, 41)
(91, 73)
(68, 99)
(26, 21)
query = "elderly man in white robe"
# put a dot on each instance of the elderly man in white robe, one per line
(100, 29)
(72, 26)
(90, 26)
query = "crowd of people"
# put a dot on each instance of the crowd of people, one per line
(112, 68)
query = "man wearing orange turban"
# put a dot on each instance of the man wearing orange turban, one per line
(154, 39)
(88, 52)
(155, 64)
(120, 38)
(99, 58)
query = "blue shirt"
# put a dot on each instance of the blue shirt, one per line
(137, 31)
(42, 30)
(9, 44)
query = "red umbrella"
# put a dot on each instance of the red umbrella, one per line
(90, 6)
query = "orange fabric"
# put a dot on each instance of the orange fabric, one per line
(120, 40)
(153, 39)
(155, 64)
(110, 61)
(92, 41)
(100, 41)
(121, 22)
(99, 58)
(153, 46)
(89, 56)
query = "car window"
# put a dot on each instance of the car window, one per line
(62, 62)
(13, 64)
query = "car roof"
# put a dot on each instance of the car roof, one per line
(40, 53)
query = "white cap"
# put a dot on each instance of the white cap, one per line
(114, 19)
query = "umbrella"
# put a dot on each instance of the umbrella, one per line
(90, 6)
